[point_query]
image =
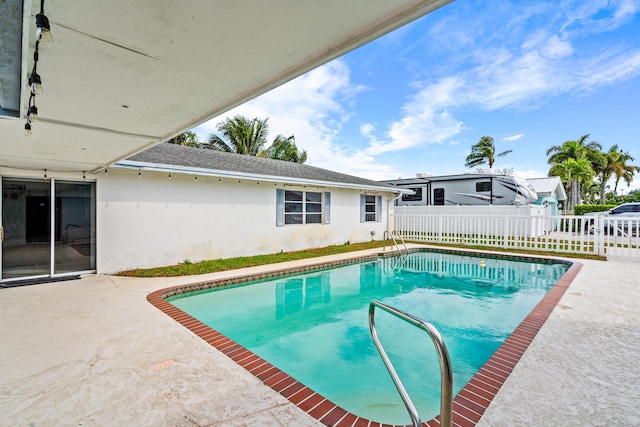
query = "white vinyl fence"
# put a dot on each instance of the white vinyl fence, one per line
(560, 233)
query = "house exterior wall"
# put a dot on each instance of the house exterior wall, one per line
(152, 220)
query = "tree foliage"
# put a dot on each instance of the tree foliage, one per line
(189, 138)
(572, 162)
(586, 170)
(484, 152)
(242, 135)
(286, 149)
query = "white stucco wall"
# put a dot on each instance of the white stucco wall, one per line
(153, 221)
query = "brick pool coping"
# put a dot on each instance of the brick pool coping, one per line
(468, 405)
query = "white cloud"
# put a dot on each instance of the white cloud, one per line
(508, 74)
(556, 48)
(513, 137)
(535, 55)
(425, 120)
(367, 129)
(597, 16)
(622, 186)
(313, 108)
(529, 173)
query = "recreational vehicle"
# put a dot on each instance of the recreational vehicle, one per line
(465, 189)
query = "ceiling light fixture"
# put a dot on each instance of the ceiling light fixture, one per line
(32, 115)
(35, 81)
(43, 29)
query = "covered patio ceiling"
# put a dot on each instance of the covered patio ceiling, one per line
(122, 76)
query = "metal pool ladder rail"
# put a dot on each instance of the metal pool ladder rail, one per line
(446, 374)
(392, 235)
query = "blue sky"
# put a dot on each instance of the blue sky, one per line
(529, 74)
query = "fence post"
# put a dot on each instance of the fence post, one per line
(440, 225)
(598, 236)
(505, 232)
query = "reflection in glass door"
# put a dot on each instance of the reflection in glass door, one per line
(27, 249)
(75, 238)
(26, 213)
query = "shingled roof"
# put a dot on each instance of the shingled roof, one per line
(179, 158)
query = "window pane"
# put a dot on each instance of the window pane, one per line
(413, 197)
(314, 218)
(293, 218)
(293, 207)
(314, 207)
(370, 217)
(314, 197)
(26, 213)
(370, 199)
(370, 209)
(293, 196)
(483, 186)
(75, 247)
(438, 196)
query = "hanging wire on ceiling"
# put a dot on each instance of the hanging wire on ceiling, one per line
(44, 36)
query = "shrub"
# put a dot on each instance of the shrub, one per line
(583, 209)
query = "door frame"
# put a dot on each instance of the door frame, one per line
(52, 218)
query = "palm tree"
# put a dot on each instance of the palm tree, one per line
(249, 136)
(285, 149)
(576, 150)
(624, 171)
(484, 151)
(240, 135)
(603, 166)
(188, 138)
(573, 171)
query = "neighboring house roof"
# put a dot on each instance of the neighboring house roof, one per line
(549, 186)
(181, 159)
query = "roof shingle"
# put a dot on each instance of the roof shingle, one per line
(190, 157)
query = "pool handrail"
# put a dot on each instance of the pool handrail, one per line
(446, 372)
(392, 235)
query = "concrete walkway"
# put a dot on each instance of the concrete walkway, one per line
(95, 352)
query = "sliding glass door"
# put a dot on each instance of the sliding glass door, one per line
(48, 228)
(74, 236)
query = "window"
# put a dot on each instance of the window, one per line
(483, 186)
(301, 207)
(626, 209)
(370, 208)
(416, 197)
(438, 196)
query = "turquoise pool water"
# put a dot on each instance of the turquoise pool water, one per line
(314, 326)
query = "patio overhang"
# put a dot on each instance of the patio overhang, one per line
(122, 76)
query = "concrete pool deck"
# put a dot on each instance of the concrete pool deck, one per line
(94, 352)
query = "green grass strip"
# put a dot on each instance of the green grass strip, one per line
(188, 268)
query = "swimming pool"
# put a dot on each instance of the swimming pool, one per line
(316, 317)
